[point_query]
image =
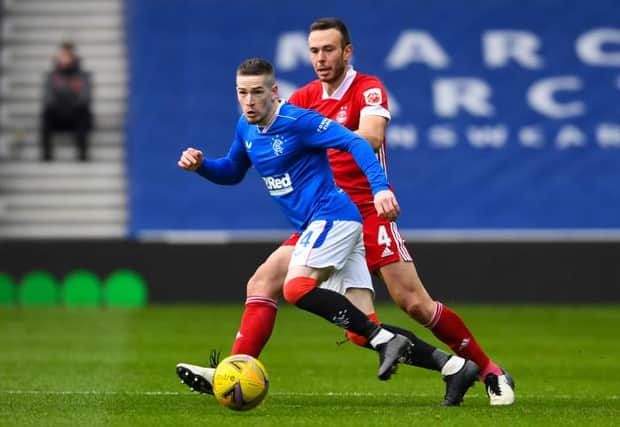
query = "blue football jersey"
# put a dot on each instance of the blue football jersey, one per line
(291, 157)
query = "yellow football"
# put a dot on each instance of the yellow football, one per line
(240, 382)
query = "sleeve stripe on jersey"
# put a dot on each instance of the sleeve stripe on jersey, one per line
(382, 158)
(400, 244)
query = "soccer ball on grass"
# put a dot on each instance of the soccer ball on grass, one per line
(240, 382)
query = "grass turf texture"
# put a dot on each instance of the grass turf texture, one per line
(116, 367)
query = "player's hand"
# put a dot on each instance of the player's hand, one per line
(191, 159)
(386, 205)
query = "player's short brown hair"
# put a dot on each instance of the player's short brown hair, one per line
(257, 67)
(329, 23)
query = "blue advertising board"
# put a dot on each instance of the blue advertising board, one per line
(505, 113)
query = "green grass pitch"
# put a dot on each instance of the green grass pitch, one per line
(105, 367)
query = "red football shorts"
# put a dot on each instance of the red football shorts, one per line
(382, 241)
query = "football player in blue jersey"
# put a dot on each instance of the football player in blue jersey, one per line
(288, 146)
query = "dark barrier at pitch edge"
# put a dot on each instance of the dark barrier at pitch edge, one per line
(567, 272)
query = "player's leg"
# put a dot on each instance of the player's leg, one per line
(257, 320)
(324, 248)
(362, 296)
(407, 290)
(82, 120)
(459, 374)
(45, 134)
(387, 255)
(263, 290)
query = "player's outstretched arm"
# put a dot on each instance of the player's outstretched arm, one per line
(191, 159)
(386, 205)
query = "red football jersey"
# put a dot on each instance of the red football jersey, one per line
(358, 95)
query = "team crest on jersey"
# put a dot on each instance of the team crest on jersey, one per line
(277, 145)
(341, 116)
(373, 96)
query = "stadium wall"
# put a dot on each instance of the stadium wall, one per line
(485, 272)
(501, 123)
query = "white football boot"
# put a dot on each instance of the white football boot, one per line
(197, 378)
(500, 389)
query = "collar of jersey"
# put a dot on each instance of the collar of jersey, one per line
(344, 86)
(275, 116)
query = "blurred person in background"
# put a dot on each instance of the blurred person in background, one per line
(67, 98)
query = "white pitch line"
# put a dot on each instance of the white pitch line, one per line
(276, 393)
(176, 393)
(93, 392)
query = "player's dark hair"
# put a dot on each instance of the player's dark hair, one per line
(256, 67)
(68, 45)
(332, 23)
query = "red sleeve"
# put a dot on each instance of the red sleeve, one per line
(296, 98)
(372, 93)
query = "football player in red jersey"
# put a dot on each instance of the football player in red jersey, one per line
(360, 103)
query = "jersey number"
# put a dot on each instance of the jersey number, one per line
(305, 239)
(384, 237)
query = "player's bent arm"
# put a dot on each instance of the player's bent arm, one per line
(322, 132)
(227, 170)
(368, 164)
(372, 129)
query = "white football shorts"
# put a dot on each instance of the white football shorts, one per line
(337, 244)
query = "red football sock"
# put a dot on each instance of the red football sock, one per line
(450, 329)
(257, 323)
(359, 339)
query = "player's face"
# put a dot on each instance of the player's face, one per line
(329, 59)
(64, 58)
(257, 97)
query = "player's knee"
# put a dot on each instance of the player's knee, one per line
(357, 339)
(257, 287)
(268, 279)
(417, 308)
(297, 287)
(260, 285)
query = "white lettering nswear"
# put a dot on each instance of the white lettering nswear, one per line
(608, 135)
(499, 135)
